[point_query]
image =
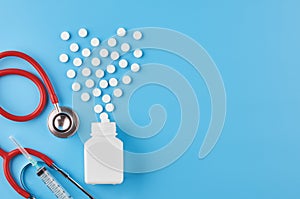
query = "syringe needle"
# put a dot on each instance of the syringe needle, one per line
(24, 152)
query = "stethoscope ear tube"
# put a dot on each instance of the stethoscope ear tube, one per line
(8, 157)
(23, 181)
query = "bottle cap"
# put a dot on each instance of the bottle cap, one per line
(103, 128)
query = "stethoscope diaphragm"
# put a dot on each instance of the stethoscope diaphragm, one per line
(63, 122)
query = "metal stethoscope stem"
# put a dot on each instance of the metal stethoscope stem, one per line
(63, 121)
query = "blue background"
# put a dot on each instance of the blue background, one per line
(255, 45)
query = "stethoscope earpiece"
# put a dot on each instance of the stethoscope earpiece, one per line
(63, 122)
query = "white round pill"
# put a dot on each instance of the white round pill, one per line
(65, 36)
(71, 73)
(103, 83)
(112, 42)
(118, 92)
(126, 79)
(74, 47)
(109, 107)
(113, 82)
(135, 67)
(99, 73)
(103, 116)
(138, 53)
(103, 52)
(86, 72)
(105, 121)
(114, 55)
(137, 35)
(110, 68)
(106, 98)
(85, 97)
(96, 61)
(86, 52)
(125, 47)
(98, 108)
(77, 62)
(76, 86)
(63, 58)
(123, 63)
(95, 42)
(89, 83)
(121, 32)
(82, 32)
(97, 92)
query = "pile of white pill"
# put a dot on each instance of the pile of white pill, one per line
(95, 62)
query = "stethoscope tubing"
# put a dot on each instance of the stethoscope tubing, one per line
(38, 83)
(7, 158)
(41, 88)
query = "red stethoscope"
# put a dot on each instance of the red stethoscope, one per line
(63, 121)
(9, 156)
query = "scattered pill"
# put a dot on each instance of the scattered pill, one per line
(113, 82)
(118, 92)
(103, 116)
(138, 53)
(137, 35)
(105, 120)
(77, 62)
(109, 107)
(89, 83)
(98, 108)
(76, 86)
(110, 68)
(96, 61)
(125, 47)
(95, 42)
(121, 32)
(71, 73)
(135, 67)
(97, 92)
(86, 52)
(106, 98)
(114, 55)
(86, 72)
(123, 63)
(99, 73)
(85, 97)
(65, 36)
(126, 79)
(82, 32)
(63, 58)
(104, 52)
(103, 83)
(74, 47)
(112, 42)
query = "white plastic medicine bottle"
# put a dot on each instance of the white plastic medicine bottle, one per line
(103, 155)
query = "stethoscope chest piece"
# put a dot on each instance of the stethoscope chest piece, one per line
(63, 122)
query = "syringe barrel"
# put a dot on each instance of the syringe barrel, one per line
(53, 184)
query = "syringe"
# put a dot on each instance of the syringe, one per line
(44, 174)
